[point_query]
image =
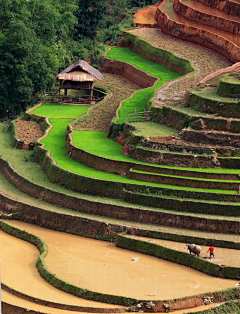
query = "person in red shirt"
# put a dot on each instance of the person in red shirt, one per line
(211, 251)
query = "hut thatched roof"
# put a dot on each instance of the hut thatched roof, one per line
(80, 71)
(76, 76)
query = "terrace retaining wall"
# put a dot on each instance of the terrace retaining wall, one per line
(75, 203)
(229, 306)
(54, 220)
(108, 210)
(129, 72)
(172, 159)
(80, 226)
(199, 17)
(172, 117)
(196, 35)
(223, 106)
(227, 6)
(157, 55)
(183, 205)
(179, 181)
(211, 138)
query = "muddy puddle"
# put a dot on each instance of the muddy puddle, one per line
(100, 266)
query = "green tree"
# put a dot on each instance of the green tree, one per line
(34, 45)
(23, 69)
(89, 15)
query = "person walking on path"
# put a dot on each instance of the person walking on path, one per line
(211, 251)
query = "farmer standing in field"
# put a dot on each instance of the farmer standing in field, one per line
(211, 251)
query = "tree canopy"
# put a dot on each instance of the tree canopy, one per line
(40, 38)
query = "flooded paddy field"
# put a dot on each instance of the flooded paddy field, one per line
(168, 9)
(223, 256)
(146, 16)
(97, 266)
(11, 299)
(18, 271)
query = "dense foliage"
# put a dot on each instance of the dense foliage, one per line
(40, 38)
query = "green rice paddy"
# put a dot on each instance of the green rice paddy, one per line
(60, 111)
(187, 178)
(152, 129)
(140, 99)
(97, 142)
(55, 143)
(154, 69)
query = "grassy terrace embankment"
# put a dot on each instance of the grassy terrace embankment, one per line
(205, 61)
(50, 145)
(102, 144)
(47, 200)
(60, 156)
(139, 101)
(55, 143)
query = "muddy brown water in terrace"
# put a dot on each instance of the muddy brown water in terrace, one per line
(100, 266)
(167, 8)
(208, 10)
(146, 16)
(18, 259)
(227, 257)
(11, 299)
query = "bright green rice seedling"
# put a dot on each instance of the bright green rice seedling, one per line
(60, 111)
(140, 99)
(55, 143)
(97, 143)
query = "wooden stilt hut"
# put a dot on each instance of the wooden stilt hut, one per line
(79, 76)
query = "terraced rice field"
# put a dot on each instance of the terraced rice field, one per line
(98, 268)
(139, 101)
